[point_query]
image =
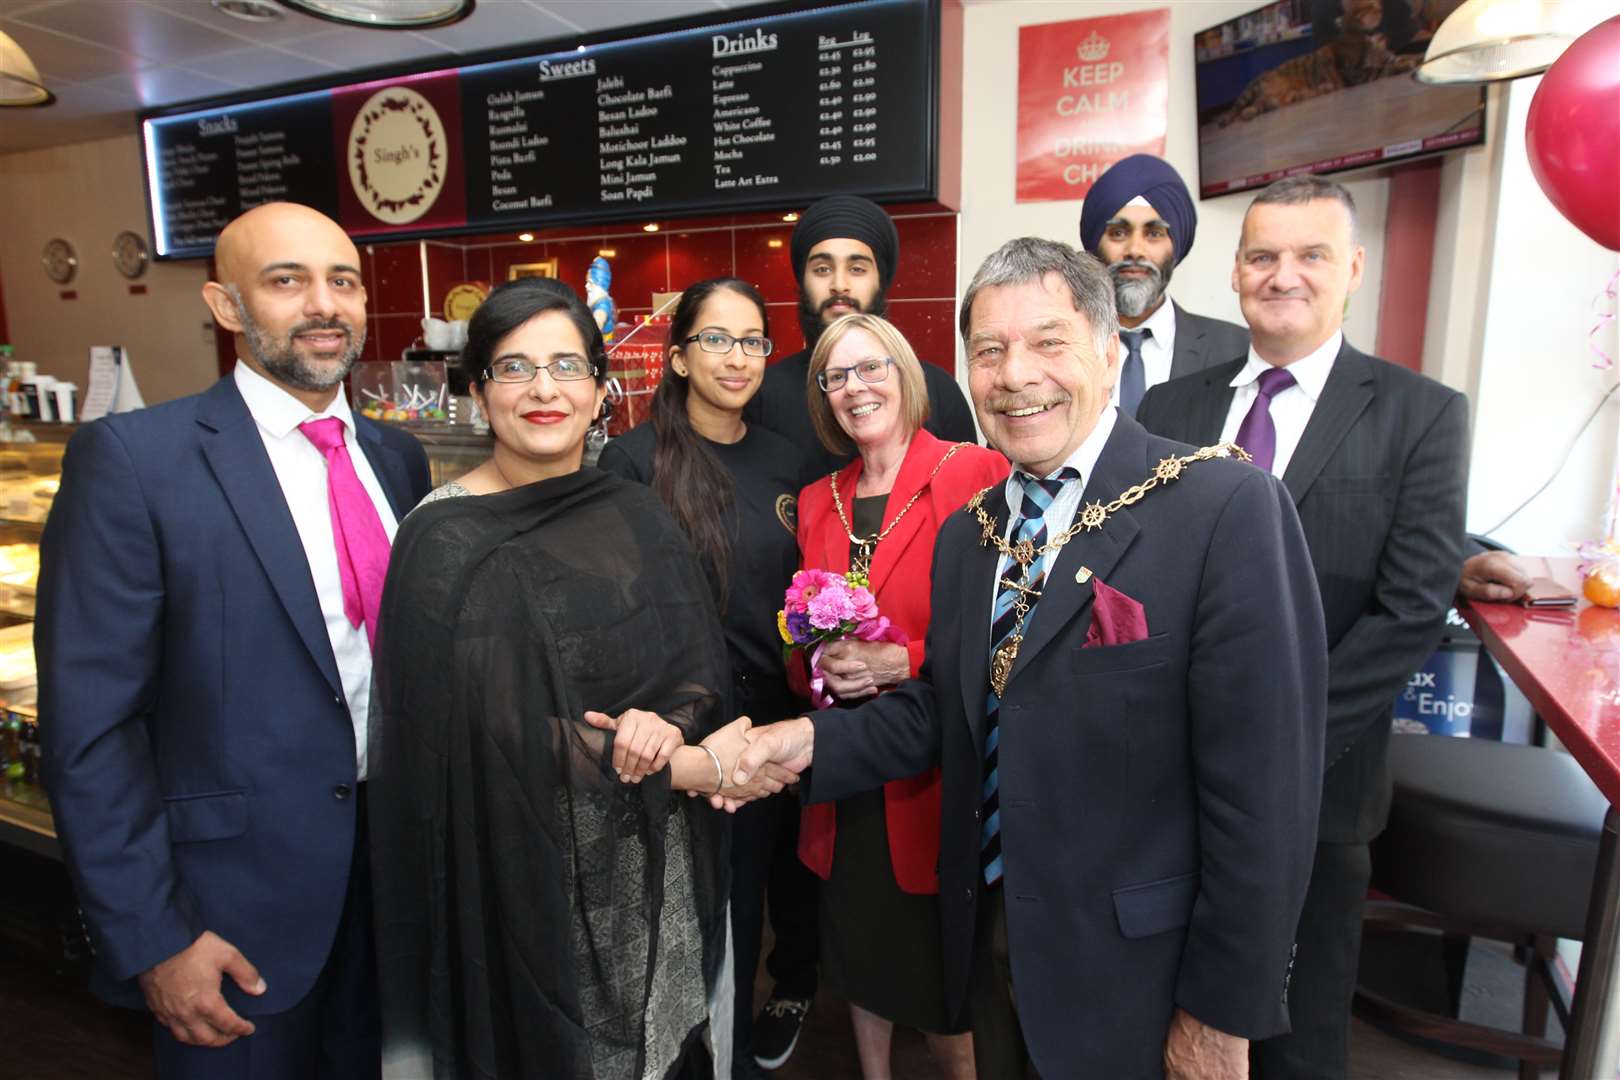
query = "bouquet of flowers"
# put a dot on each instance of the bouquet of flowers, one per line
(822, 607)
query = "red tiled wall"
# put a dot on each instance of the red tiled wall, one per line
(921, 301)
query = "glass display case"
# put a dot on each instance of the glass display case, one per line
(30, 470)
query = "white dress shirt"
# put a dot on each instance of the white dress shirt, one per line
(1158, 349)
(1060, 515)
(1291, 408)
(301, 471)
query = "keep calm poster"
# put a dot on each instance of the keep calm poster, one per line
(1090, 91)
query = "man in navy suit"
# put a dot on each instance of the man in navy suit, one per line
(1375, 459)
(1129, 807)
(1140, 220)
(204, 676)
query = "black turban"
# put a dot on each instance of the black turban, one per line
(849, 217)
(1153, 179)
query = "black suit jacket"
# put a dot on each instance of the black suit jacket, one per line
(1158, 797)
(1380, 480)
(198, 748)
(1202, 342)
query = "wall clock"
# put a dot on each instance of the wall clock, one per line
(129, 254)
(61, 261)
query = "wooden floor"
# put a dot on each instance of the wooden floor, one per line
(51, 1028)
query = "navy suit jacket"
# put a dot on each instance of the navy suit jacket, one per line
(1158, 797)
(1380, 479)
(194, 728)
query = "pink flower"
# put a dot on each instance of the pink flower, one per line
(806, 584)
(865, 604)
(831, 606)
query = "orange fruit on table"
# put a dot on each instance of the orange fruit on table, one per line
(1602, 588)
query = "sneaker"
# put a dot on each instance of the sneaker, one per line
(776, 1030)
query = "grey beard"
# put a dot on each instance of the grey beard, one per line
(1133, 298)
(281, 359)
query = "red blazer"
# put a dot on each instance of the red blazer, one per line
(900, 581)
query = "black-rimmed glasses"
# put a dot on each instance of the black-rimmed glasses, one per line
(713, 341)
(516, 369)
(874, 370)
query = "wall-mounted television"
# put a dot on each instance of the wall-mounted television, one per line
(1320, 86)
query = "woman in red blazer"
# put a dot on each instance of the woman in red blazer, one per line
(880, 931)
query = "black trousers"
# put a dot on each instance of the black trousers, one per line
(766, 873)
(999, 1050)
(334, 1033)
(765, 870)
(1324, 980)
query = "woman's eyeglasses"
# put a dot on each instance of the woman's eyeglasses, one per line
(515, 369)
(713, 341)
(868, 371)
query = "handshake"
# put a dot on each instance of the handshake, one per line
(733, 766)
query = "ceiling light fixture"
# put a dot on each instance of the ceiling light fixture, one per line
(1494, 40)
(607, 253)
(773, 242)
(255, 11)
(526, 237)
(651, 226)
(20, 87)
(385, 14)
(790, 217)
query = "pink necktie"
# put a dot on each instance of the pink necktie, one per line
(362, 544)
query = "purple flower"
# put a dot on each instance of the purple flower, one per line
(798, 624)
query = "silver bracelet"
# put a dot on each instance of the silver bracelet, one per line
(719, 771)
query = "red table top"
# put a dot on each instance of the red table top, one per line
(1567, 663)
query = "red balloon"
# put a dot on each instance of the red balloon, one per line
(1573, 133)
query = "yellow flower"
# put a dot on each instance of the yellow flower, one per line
(781, 627)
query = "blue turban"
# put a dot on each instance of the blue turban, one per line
(1153, 179)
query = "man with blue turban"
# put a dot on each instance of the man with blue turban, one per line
(1139, 219)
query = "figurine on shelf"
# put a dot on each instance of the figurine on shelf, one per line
(597, 282)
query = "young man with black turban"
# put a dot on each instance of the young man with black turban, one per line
(1139, 219)
(844, 251)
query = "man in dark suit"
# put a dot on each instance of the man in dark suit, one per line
(1139, 219)
(1129, 805)
(845, 250)
(204, 674)
(1375, 458)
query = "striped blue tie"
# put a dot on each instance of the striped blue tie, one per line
(1029, 525)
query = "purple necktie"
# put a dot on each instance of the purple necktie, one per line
(362, 543)
(1257, 434)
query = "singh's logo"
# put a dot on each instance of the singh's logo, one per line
(397, 155)
(787, 512)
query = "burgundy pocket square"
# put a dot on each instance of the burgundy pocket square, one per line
(1116, 619)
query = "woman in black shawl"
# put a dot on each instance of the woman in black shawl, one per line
(536, 916)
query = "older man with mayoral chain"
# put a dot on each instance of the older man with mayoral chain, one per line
(1129, 795)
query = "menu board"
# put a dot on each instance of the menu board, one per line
(770, 112)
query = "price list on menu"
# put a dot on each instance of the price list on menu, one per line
(764, 113)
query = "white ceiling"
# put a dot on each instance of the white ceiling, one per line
(106, 59)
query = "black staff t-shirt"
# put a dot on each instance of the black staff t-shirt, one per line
(767, 472)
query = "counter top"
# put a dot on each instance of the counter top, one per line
(1567, 663)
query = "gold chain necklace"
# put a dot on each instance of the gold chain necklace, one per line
(862, 563)
(1091, 517)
